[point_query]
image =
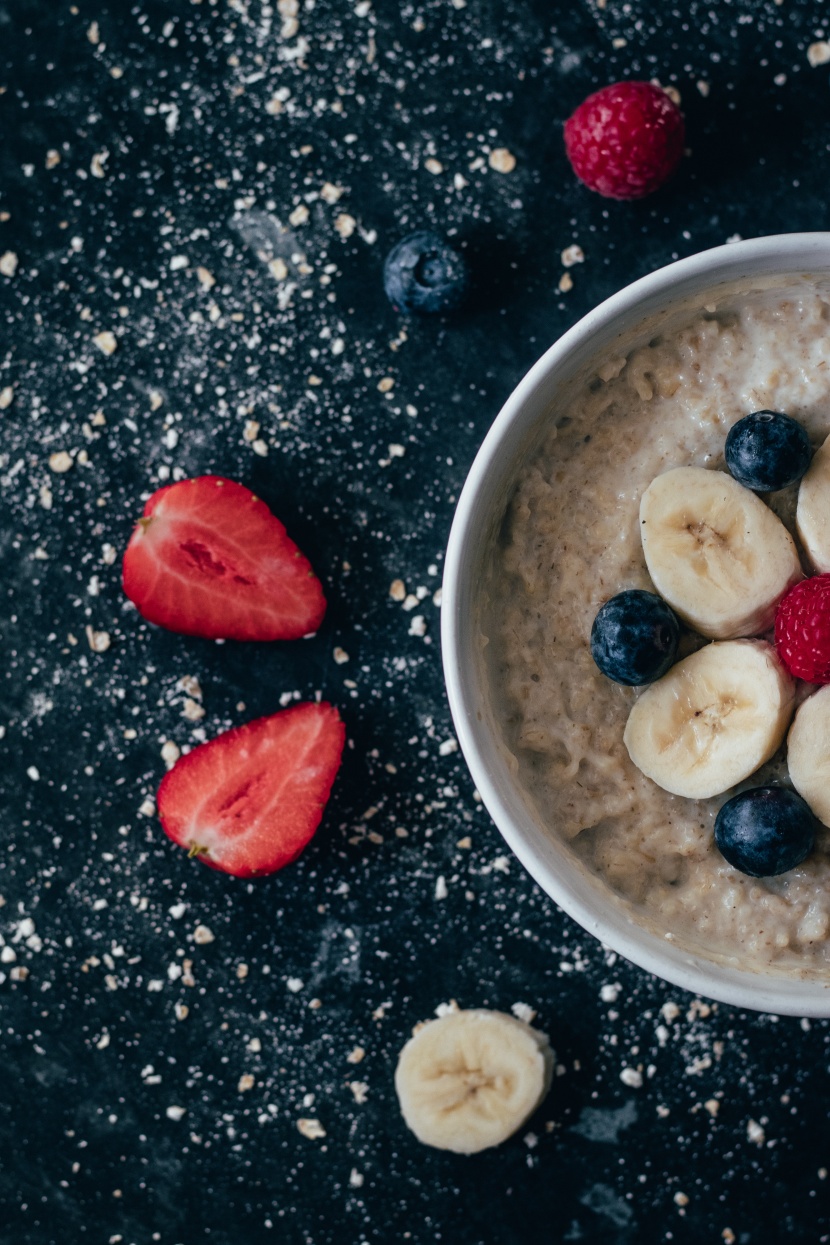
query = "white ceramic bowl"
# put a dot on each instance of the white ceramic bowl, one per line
(617, 322)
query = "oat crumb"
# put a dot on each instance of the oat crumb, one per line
(106, 342)
(246, 1082)
(818, 53)
(345, 225)
(8, 263)
(98, 641)
(60, 462)
(360, 1090)
(502, 160)
(356, 1055)
(566, 282)
(572, 255)
(202, 935)
(312, 1129)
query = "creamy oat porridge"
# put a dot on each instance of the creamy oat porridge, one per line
(571, 540)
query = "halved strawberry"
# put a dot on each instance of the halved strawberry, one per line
(248, 801)
(209, 558)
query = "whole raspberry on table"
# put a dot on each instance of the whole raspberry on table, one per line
(625, 140)
(802, 629)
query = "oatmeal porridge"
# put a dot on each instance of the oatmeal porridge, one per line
(571, 540)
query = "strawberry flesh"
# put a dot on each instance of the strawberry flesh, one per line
(208, 558)
(248, 801)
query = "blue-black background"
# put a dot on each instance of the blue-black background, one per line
(192, 133)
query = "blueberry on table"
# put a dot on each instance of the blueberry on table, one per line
(765, 831)
(766, 451)
(424, 273)
(634, 637)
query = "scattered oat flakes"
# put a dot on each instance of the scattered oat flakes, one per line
(355, 1179)
(8, 263)
(182, 1011)
(206, 278)
(202, 935)
(330, 193)
(98, 641)
(356, 1055)
(680, 1199)
(294, 984)
(278, 269)
(418, 626)
(312, 1129)
(19, 973)
(345, 225)
(176, 1113)
(360, 1090)
(703, 87)
(566, 282)
(106, 342)
(631, 1077)
(502, 160)
(755, 1133)
(96, 164)
(818, 53)
(246, 1082)
(712, 1106)
(53, 158)
(433, 166)
(397, 590)
(728, 1236)
(340, 656)
(6, 397)
(441, 891)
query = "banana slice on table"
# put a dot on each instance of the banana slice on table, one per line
(812, 516)
(719, 556)
(713, 719)
(468, 1080)
(808, 752)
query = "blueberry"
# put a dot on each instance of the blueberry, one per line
(765, 831)
(634, 637)
(766, 451)
(424, 273)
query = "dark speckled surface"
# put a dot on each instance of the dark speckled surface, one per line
(350, 946)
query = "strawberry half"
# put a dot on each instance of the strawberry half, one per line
(248, 801)
(209, 558)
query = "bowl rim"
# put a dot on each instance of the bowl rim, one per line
(795, 253)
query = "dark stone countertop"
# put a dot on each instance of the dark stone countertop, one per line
(141, 143)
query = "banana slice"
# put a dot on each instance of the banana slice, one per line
(715, 552)
(808, 752)
(812, 516)
(468, 1080)
(713, 719)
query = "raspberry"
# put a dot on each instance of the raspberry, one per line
(802, 629)
(625, 140)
